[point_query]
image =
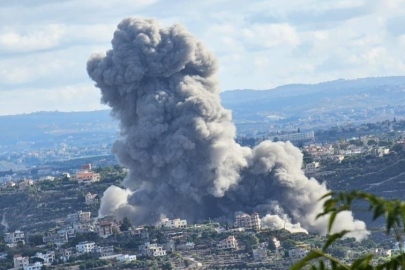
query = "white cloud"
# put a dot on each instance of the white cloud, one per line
(271, 35)
(44, 45)
(82, 97)
(48, 37)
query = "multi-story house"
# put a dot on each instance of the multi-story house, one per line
(152, 250)
(34, 266)
(20, 261)
(228, 243)
(246, 221)
(85, 247)
(90, 198)
(12, 239)
(300, 251)
(105, 229)
(48, 258)
(173, 224)
(103, 251)
(126, 258)
(60, 238)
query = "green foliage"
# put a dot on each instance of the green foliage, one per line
(392, 211)
(36, 239)
(371, 142)
(126, 224)
(251, 242)
(356, 142)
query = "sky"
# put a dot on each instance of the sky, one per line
(45, 44)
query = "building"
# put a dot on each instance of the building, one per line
(20, 261)
(65, 254)
(293, 137)
(312, 167)
(228, 243)
(83, 227)
(126, 258)
(90, 198)
(380, 151)
(85, 247)
(152, 250)
(60, 238)
(48, 258)
(65, 175)
(103, 251)
(84, 216)
(173, 224)
(86, 177)
(23, 184)
(9, 184)
(300, 251)
(141, 232)
(383, 252)
(260, 253)
(35, 266)
(186, 246)
(105, 229)
(69, 230)
(12, 239)
(243, 220)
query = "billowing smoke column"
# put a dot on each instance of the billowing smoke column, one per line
(178, 141)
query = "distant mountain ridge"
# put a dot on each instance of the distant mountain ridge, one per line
(300, 100)
(253, 106)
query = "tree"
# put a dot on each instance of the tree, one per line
(251, 242)
(393, 213)
(167, 266)
(272, 246)
(36, 239)
(371, 142)
(126, 224)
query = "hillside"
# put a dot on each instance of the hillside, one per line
(307, 105)
(303, 100)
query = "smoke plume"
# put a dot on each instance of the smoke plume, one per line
(178, 141)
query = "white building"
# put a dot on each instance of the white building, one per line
(300, 251)
(188, 245)
(154, 250)
(260, 254)
(83, 227)
(294, 137)
(23, 184)
(90, 198)
(228, 243)
(173, 224)
(86, 177)
(103, 251)
(35, 266)
(59, 238)
(20, 261)
(79, 216)
(243, 220)
(12, 239)
(65, 254)
(85, 247)
(48, 257)
(312, 167)
(84, 216)
(126, 258)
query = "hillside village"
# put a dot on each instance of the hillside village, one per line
(51, 221)
(52, 232)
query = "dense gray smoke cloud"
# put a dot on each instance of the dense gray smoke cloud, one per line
(178, 141)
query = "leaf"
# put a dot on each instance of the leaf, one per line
(333, 238)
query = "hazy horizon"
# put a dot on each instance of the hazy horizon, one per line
(259, 44)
